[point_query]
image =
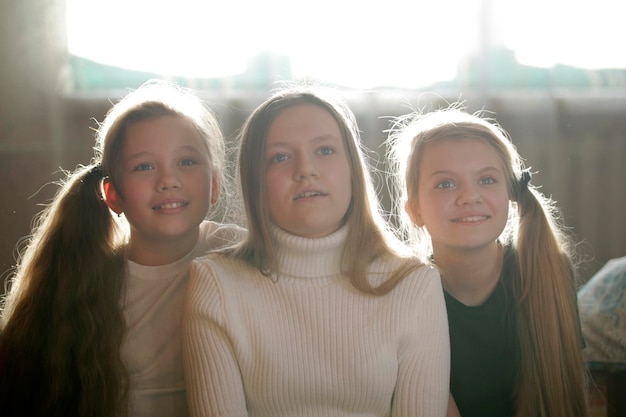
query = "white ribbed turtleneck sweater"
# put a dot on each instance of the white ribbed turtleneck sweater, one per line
(310, 344)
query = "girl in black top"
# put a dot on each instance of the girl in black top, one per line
(505, 262)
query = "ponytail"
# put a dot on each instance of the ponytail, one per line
(552, 376)
(62, 325)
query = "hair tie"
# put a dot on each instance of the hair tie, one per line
(525, 178)
(522, 184)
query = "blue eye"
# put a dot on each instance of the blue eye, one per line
(445, 184)
(187, 162)
(487, 181)
(143, 167)
(279, 157)
(326, 150)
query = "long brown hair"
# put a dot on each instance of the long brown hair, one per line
(61, 325)
(551, 374)
(62, 322)
(368, 235)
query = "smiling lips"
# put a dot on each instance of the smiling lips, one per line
(470, 219)
(167, 206)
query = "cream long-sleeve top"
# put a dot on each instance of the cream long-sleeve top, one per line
(153, 308)
(307, 343)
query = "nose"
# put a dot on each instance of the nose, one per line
(305, 168)
(469, 194)
(168, 180)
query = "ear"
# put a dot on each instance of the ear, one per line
(215, 187)
(414, 214)
(111, 196)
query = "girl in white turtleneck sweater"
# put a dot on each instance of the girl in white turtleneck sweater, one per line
(318, 312)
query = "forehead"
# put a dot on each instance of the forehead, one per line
(459, 154)
(163, 134)
(302, 122)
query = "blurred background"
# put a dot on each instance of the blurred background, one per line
(553, 73)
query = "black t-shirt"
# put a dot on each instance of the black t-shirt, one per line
(483, 343)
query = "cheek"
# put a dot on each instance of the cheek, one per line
(502, 206)
(272, 185)
(133, 185)
(504, 201)
(348, 185)
(434, 203)
(274, 203)
(278, 189)
(342, 171)
(198, 180)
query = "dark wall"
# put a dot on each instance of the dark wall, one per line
(32, 50)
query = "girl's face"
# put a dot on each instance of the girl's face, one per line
(167, 185)
(308, 174)
(462, 197)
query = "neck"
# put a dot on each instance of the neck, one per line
(156, 253)
(470, 276)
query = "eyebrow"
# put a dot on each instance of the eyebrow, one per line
(316, 139)
(142, 154)
(480, 171)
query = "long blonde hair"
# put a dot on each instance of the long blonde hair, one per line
(551, 376)
(62, 322)
(368, 236)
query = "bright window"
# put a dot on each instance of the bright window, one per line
(354, 43)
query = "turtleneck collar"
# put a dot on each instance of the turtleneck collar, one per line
(309, 257)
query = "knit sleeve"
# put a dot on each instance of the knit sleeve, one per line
(214, 384)
(424, 353)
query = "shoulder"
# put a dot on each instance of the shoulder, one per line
(224, 268)
(216, 262)
(426, 276)
(417, 269)
(423, 285)
(418, 301)
(417, 275)
(213, 273)
(224, 280)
